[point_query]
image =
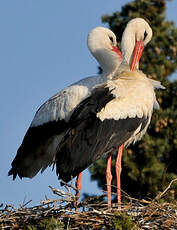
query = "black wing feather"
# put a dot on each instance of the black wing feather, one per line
(89, 138)
(33, 148)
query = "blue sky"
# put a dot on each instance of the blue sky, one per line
(42, 50)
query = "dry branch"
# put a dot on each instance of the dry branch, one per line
(93, 213)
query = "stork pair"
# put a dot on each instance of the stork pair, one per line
(94, 116)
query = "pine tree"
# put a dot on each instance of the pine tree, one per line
(150, 164)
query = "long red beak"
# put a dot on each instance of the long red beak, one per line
(116, 50)
(138, 50)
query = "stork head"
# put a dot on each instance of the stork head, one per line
(102, 44)
(136, 35)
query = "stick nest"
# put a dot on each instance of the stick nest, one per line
(92, 213)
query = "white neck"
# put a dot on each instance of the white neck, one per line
(108, 60)
(128, 44)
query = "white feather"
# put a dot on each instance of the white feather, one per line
(62, 104)
(156, 85)
(134, 96)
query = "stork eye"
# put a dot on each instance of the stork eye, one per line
(145, 35)
(111, 39)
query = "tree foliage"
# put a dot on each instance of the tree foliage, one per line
(150, 164)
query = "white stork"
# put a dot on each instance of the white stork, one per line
(117, 112)
(38, 149)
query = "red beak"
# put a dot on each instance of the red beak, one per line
(138, 50)
(116, 50)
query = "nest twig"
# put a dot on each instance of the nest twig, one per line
(93, 213)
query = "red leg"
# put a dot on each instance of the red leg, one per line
(109, 179)
(118, 173)
(78, 186)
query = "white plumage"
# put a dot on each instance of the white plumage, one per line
(101, 42)
(134, 94)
